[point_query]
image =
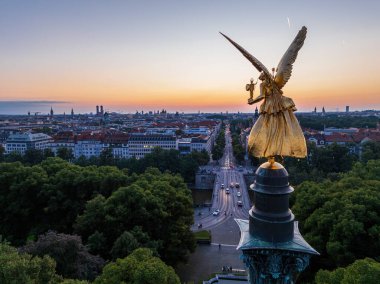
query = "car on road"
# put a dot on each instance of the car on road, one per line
(222, 186)
(240, 203)
(216, 212)
(227, 191)
(237, 185)
(232, 185)
(238, 194)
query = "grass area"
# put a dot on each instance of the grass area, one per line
(202, 235)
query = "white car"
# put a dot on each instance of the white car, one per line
(216, 212)
(238, 194)
(227, 191)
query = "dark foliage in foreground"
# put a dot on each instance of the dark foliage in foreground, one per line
(72, 257)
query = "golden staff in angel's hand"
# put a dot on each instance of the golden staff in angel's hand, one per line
(277, 131)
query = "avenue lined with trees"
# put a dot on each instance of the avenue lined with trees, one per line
(236, 127)
(220, 143)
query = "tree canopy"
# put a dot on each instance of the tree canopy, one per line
(322, 163)
(140, 267)
(341, 218)
(218, 149)
(344, 121)
(18, 268)
(50, 195)
(72, 257)
(154, 210)
(362, 271)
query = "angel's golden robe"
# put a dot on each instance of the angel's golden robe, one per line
(277, 131)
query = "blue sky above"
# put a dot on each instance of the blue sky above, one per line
(114, 52)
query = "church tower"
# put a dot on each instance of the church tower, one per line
(256, 116)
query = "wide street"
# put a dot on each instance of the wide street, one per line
(227, 176)
(208, 259)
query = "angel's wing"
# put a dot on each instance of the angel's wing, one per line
(259, 66)
(284, 68)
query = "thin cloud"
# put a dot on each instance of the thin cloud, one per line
(33, 102)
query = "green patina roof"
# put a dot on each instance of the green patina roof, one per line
(249, 242)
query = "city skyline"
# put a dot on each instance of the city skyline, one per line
(60, 108)
(132, 56)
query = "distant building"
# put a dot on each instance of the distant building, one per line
(161, 130)
(63, 140)
(141, 144)
(88, 147)
(20, 142)
(317, 139)
(118, 143)
(186, 145)
(91, 144)
(347, 108)
(202, 142)
(202, 130)
(338, 138)
(331, 130)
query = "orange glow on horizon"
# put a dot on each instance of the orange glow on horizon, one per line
(307, 93)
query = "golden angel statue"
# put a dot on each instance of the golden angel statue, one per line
(277, 131)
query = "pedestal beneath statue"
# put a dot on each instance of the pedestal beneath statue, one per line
(274, 250)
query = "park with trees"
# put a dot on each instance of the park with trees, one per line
(50, 208)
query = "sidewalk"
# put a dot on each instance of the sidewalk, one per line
(208, 259)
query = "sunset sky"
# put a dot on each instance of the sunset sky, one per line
(148, 55)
